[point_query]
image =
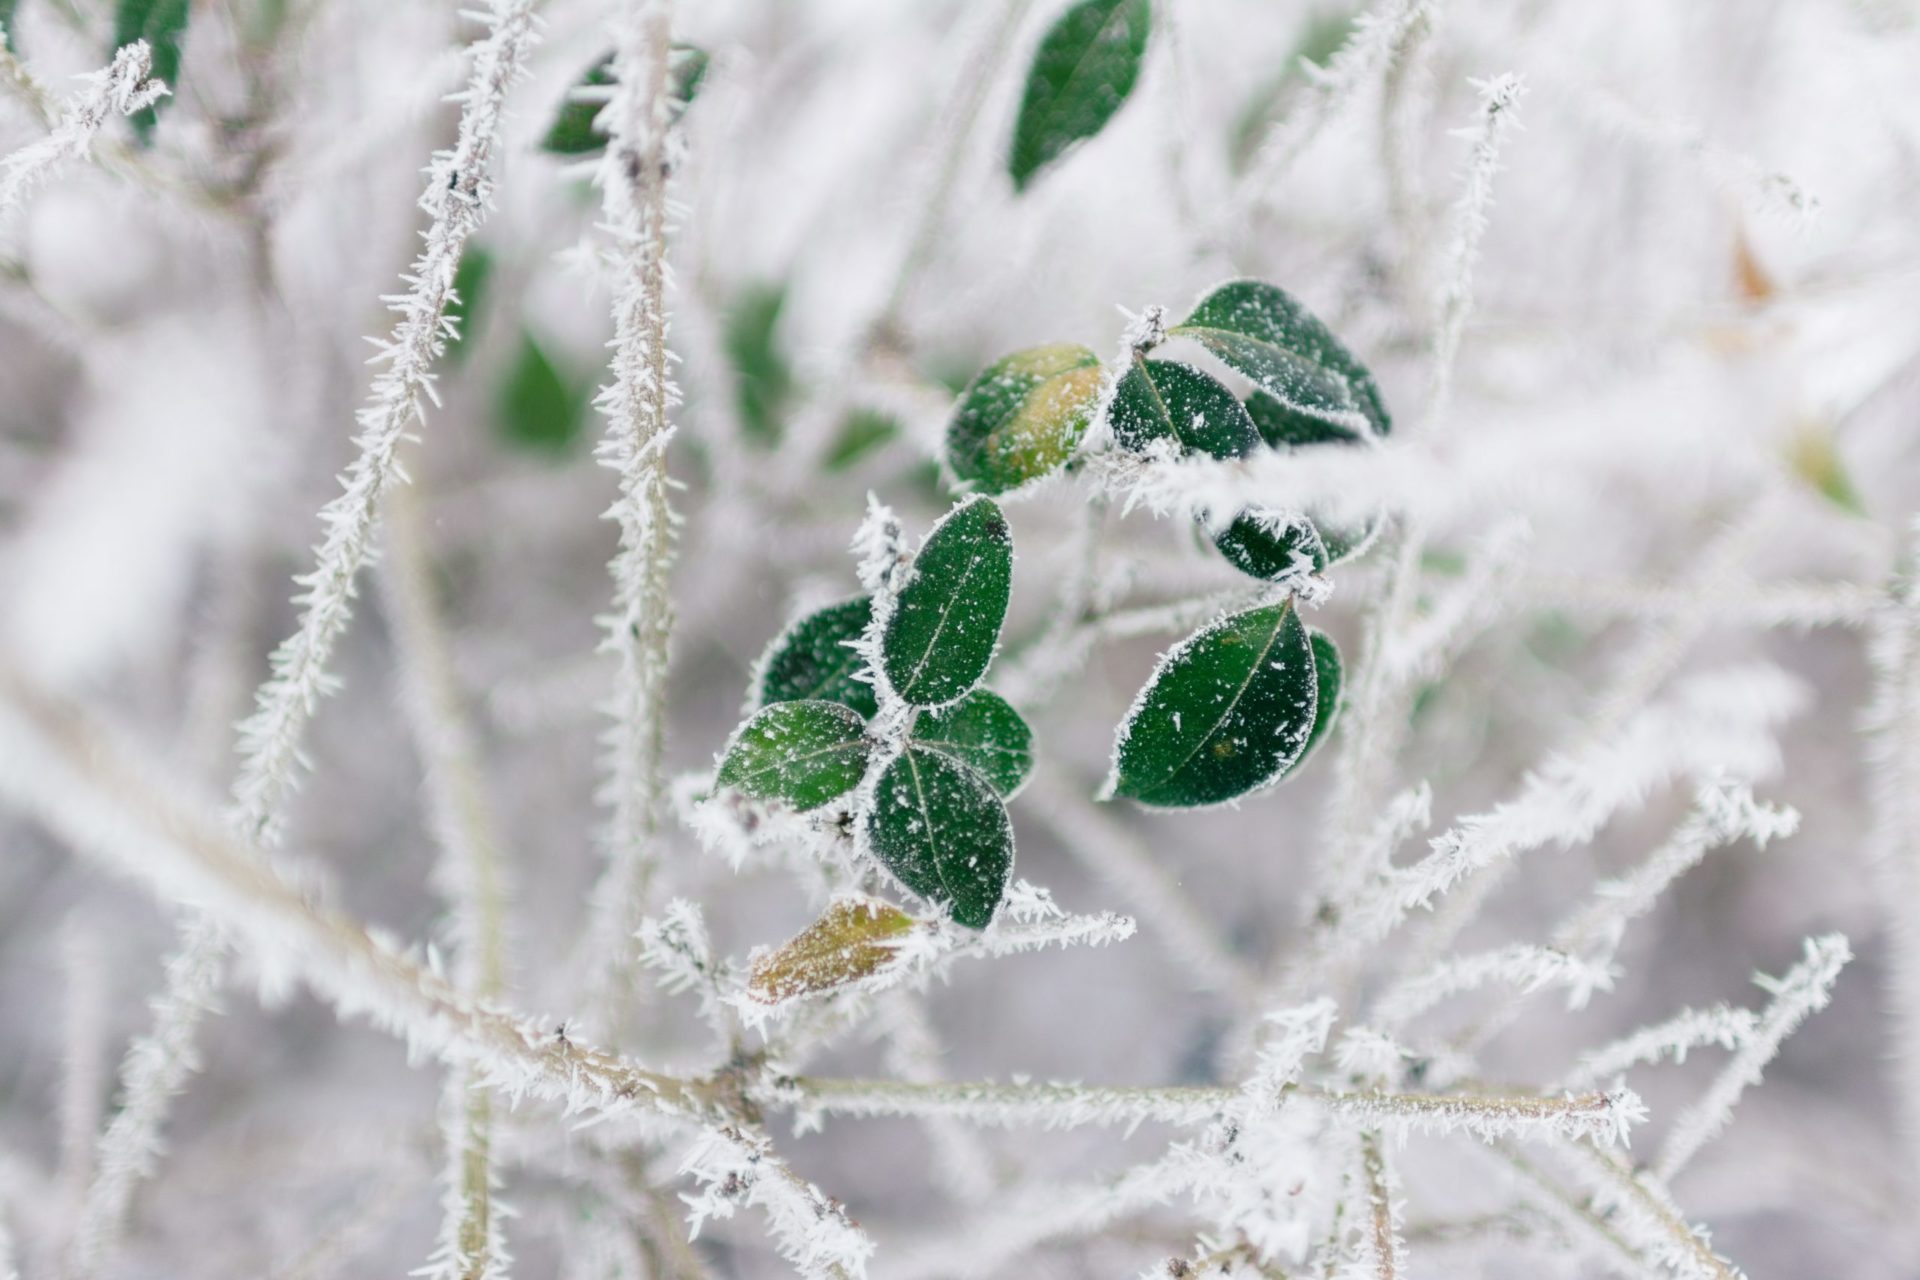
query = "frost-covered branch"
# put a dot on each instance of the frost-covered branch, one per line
(122, 87)
(458, 194)
(735, 1166)
(1720, 1026)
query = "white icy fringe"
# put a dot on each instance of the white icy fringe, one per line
(156, 1069)
(812, 1230)
(457, 197)
(637, 405)
(122, 87)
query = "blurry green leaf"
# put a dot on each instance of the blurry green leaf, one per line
(982, 730)
(1328, 678)
(1023, 416)
(1083, 71)
(938, 826)
(572, 132)
(853, 939)
(946, 620)
(1226, 712)
(1264, 544)
(762, 379)
(1266, 335)
(537, 409)
(162, 24)
(1320, 39)
(862, 431)
(7, 39)
(805, 753)
(1815, 458)
(814, 659)
(469, 292)
(1165, 400)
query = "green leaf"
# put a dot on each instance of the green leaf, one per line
(1023, 416)
(762, 378)
(1326, 702)
(537, 407)
(469, 292)
(1286, 428)
(984, 731)
(1228, 710)
(938, 826)
(162, 24)
(805, 753)
(861, 432)
(946, 621)
(1165, 400)
(1083, 71)
(7, 39)
(813, 659)
(573, 132)
(1263, 544)
(1262, 332)
(854, 938)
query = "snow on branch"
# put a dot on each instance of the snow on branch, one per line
(1600, 1117)
(1524, 966)
(1720, 1026)
(1797, 995)
(458, 195)
(122, 87)
(735, 1166)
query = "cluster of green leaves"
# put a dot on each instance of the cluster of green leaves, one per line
(934, 813)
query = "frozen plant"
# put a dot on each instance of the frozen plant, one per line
(1083, 637)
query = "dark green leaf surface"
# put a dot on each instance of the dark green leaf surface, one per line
(1022, 418)
(762, 378)
(938, 826)
(1285, 428)
(573, 134)
(1163, 399)
(813, 659)
(539, 407)
(1326, 704)
(982, 730)
(1229, 709)
(805, 753)
(1263, 546)
(1083, 71)
(1262, 332)
(162, 24)
(947, 618)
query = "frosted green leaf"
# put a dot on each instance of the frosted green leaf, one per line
(1265, 334)
(162, 24)
(1287, 428)
(1023, 417)
(946, 620)
(938, 826)
(1264, 545)
(1083, 71)
(982, 730)
(852, 939)
(1326, 703)
(805, 753)
(813, 659)
(573, 132)
(1165, 400)
(1228, 710)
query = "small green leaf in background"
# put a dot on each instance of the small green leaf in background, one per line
(854, 938)
(572, 132)
(805, 753)
(861, 432)
(1265, 334)
(1328, 679)
(814, 660)
(1228, 710)
(537, 407)
(1085, 67)
(1321, 38)
(982, 730)
(469, 293)
(1163, 399)
(946, 621)
(162, 24)
(1023, 416)
(1264, 544)
(938, 826)
(1815, 457)
(7, 39)
(762, 378)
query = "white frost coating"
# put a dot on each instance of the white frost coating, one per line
(1797, 995)
(1598, 1117)
(812, 1230)
(1638, 1210)
(122, 87)
(676, 945)
(458, 194)
(1527, 967)
(1720, 1026)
